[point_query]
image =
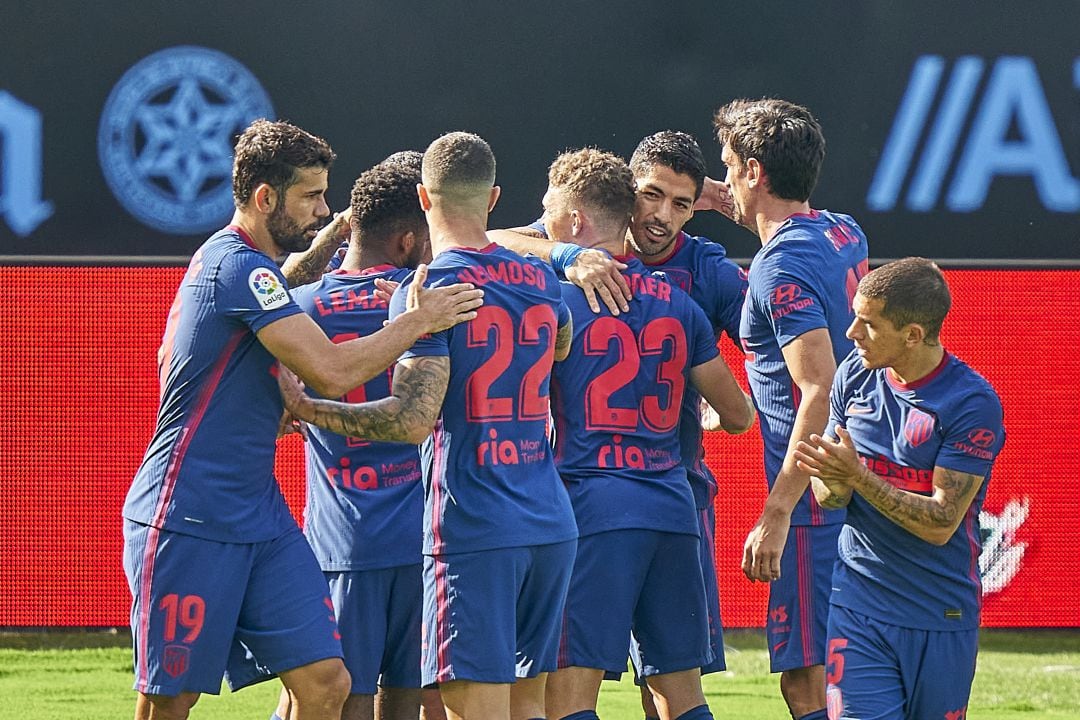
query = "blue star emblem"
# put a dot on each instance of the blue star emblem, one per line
(166, 136)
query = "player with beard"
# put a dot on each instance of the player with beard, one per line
(797, 309)
(208, 536)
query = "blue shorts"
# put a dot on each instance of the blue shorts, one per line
(640, 580)
(493, 616)
(799, 600)
(379, 615)
(882, 671)
(204, 609)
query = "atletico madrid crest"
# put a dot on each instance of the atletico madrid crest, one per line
(175, 659)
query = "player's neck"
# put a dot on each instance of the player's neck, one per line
(450, 231)
(358, 258)
(256, 232)
(917, 364)
(774, 212)
(614, 243)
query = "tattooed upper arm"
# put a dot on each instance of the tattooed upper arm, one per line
(563, 338)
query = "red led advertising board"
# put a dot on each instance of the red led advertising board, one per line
(78, 394)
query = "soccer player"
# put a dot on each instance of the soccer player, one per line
(669, 173)
(208, 536)
(797, 308)
(499, 532)
(364, 513)
(913, 435)
(616, 404)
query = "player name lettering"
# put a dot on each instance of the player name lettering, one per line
(347, 301)
(650, 285)
(505, 271)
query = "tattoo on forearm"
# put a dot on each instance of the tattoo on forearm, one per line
(914, 512)
(419, 388)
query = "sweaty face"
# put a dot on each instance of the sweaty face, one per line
(297, 217)
(663, 204)
(735, 178)
(879, 342)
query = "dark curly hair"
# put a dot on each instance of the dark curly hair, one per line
(672, 149)
(271, 152)
(784, 137)
(384, 202)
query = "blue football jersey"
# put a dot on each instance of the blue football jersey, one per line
(802, 279)
(365, 500)
(617, 402)
(489, 477)
(952, 419)
(209, 468)
(702, 269)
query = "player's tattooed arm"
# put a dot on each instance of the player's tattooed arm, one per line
(563, 338)
(933, 518)
(407, 415)
(310, 265)
(831, 496)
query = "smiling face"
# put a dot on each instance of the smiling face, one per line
(300, 212)
(879, 342)
(663, 204)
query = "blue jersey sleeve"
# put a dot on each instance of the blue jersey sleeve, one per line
(436, 345)
(251, 288)
(725, 287)
(789, 296)
(700, 333)
(838, 397)
(975, 436)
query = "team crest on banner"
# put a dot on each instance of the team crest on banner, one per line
(165, 140)
(919, 427)
(175, 660)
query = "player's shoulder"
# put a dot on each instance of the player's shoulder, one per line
(966, 382)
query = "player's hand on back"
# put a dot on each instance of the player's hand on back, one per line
(598, 274)
(442, 307)
(384, 288)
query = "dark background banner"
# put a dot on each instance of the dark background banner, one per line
(953, 128)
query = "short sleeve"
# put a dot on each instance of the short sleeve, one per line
(251, 288)
(789, 297)
(700, 335)
(974, 435)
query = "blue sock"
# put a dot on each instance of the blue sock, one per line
(701, 712)
(275, 716)
(816, 715)
(582, 715)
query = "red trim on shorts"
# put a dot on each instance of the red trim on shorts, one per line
(806, 594)
(142, 673)
(443, 668)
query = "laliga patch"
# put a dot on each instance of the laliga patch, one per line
(267, 289)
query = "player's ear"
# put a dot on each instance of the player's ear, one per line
(755, 172)
(425, 199)
(914, 334)
(494, 197)
(577, 222)
(264, 198)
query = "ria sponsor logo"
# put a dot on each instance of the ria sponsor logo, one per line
(1007, 131)
(616, 455)
(496, 451)
(361, 478)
